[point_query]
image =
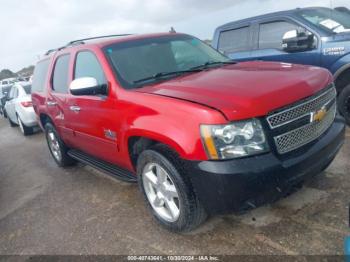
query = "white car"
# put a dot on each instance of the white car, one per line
(7, 82)
(19, 108)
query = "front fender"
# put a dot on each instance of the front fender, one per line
(173, 122)
(159, 137)
(184, 137)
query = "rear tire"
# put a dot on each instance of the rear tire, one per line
(12, 124)
(57, 147)
(344, 103)
(26, 130)
(175, 192)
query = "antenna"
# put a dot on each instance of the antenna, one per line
(172, 30)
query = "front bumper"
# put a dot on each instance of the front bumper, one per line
(241, 184)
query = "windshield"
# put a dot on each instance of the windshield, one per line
(142, 59)
(329, 19)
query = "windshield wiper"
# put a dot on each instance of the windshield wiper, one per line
(163, 74)
(209, 63)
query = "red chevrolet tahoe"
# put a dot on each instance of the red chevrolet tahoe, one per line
(200, 134)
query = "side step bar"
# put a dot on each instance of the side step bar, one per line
(103, 166)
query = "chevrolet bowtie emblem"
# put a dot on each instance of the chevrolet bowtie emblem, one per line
(318, 115)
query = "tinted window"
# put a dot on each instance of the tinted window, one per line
(5, 82)
(271, 34)
(27, 89)
(86, 65)
(139, 59)
(234, 40)
(40, 74)
(60, 74)
(185, 53)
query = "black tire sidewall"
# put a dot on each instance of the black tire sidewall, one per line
(65, 159)
(12, 124)
(186, 195)
(343, 98)
(26, 130)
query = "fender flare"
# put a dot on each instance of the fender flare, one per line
(340, 71)
(171, 143)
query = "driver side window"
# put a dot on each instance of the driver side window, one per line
(87, 65)
(271, 34)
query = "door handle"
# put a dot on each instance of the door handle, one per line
(74, 108)
(51, 103)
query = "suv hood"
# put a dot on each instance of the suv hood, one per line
(245, 90)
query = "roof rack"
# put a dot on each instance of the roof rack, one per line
(81, 42)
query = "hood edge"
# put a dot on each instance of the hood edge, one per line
(190, 101)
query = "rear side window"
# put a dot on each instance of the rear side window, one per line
(40, 74)
(27, 89)
(271, 34)
(234, 40)
(87, 65)
(60, 74)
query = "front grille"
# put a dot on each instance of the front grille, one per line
(296, 112)
(305, 134)
(299, 134)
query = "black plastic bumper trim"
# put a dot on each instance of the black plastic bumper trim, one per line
(236, 185)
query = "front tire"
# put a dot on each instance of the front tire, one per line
(168, 192)
(344, 103)
(57, 147)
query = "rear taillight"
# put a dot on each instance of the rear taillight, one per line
(26, 103)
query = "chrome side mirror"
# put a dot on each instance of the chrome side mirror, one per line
(290, 34)
(294, 41)
(86, 86)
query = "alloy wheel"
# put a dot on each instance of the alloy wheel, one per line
(161, 192)
(54, 145)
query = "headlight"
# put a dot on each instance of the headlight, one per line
(238, 139)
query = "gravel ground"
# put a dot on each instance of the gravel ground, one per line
(48, 210)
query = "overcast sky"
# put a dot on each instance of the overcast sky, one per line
(30, 27)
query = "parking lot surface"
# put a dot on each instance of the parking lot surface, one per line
(48, 210)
